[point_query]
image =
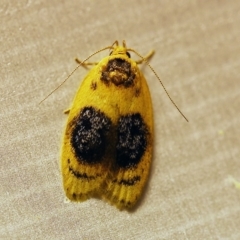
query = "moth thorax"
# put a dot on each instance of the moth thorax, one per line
(119, 72)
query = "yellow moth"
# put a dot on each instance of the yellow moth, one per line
(108, 141)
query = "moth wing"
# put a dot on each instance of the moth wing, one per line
(134, 150)
(84, 155)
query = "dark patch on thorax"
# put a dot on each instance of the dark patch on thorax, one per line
(118, 71)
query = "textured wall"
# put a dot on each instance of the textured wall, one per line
(188, 195)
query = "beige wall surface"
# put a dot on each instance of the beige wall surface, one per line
(189, 194)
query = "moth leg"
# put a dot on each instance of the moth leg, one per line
(85, 64)
(146, 58)
(66, 111)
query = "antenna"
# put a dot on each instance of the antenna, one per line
(80, 64)
(144, 59)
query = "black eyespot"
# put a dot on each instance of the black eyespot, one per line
(132, 140)
(90, 135)
(128, 54)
